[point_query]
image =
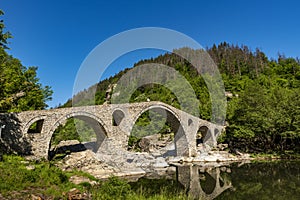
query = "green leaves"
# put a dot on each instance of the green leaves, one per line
(267, 114)
(4, 35)
(19, 87)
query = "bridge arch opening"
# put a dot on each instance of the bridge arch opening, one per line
(117, 117)
(204, 136)
(74, 133)
(158, 130)
(34, 125)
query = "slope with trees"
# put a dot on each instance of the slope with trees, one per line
(263, 112)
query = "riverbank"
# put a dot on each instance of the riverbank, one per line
(134, 165)
(22, 179)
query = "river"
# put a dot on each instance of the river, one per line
(255, 180)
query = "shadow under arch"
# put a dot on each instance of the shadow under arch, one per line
(180, 140)
(91, 120)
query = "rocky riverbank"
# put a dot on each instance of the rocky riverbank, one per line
(133, 165)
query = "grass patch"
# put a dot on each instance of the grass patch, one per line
(43, 176)
(20, 178)
(276, 156)
(116, 188)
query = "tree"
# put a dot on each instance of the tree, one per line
(4, 36)
(265, 119)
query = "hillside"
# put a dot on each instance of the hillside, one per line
(263, 112)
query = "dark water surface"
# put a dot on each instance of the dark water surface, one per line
(258, 180)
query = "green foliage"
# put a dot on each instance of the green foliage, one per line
(265, 180)
(45, 178)
(18, 182)
(116, 188)
(149, 123)
(133, 142)
(266, 115)
(4, 35)
(15, 177)
(74, 129)
(168, 187)
(153, 92)
(66, 132)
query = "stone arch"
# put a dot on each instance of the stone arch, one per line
(32, 121)
(180, 139)
(92, 120)
(156, 107)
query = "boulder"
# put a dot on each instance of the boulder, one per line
(153, 143)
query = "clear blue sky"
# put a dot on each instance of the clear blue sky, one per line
(56, 35)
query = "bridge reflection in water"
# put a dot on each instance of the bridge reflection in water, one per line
(203, 183)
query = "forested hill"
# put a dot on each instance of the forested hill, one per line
(233, 61)
(263, 111)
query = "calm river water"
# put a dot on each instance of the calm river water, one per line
(258, 180)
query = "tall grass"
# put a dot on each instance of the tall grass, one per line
(19, 182)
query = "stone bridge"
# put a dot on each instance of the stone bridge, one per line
(112, 124)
